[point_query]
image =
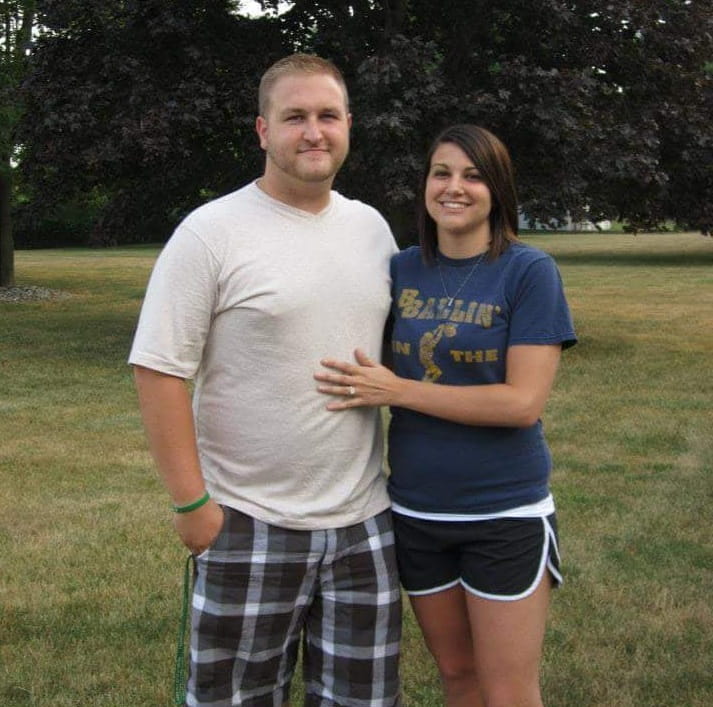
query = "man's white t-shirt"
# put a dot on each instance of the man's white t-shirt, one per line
(247, 296)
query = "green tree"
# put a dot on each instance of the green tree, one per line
(594, 99)
(605, 106)
(659, 133)
(18, 20)
(149, 107)
(147, 104)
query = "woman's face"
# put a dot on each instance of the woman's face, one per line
(456, 197)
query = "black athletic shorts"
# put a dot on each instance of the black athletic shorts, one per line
(503, 558)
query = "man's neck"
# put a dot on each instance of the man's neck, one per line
(312, 198)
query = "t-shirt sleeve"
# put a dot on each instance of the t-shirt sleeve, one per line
(540, 313)
(178, 307)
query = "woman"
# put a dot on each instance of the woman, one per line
(480, 320)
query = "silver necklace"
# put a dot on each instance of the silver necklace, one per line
(462, 284)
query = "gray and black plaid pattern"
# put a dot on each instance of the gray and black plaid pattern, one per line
(260, 587)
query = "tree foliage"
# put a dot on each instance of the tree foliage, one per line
(150, 103)
(148, 107)
(606, 107)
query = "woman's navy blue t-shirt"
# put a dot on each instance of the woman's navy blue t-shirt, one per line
(439, 466)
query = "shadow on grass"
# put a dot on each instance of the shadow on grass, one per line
(628, 259)
(72, 335)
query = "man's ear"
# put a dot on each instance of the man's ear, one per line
(261, 130)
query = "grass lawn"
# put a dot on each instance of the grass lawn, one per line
(91, 574)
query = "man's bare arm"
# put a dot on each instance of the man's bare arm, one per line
(168, 419)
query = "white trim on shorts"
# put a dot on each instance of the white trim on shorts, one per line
(433, 590)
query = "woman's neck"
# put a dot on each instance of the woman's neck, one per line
(465, 245)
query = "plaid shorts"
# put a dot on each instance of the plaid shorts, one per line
(259, 588)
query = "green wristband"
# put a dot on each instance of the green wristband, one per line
(192, 506)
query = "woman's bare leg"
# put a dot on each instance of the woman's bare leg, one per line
(507, 646)
(443, 618)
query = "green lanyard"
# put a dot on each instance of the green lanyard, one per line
(179, 677)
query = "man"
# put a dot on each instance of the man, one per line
(282, 503)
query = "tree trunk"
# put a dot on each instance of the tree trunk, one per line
(17, 36)
(7, 246)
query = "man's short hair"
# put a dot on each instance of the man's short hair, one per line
(297, 64)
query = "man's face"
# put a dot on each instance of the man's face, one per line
(305, 132)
